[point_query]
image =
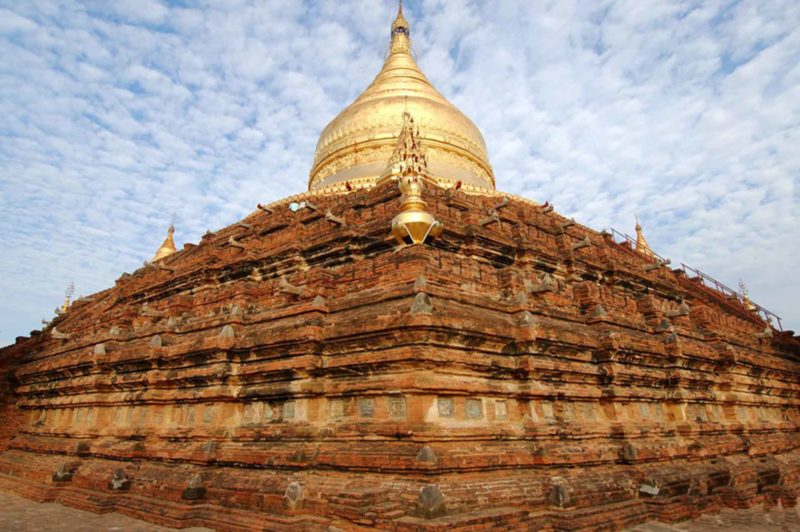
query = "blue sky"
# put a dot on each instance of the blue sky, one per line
(119, 115)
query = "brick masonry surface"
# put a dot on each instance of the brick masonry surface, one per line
(295, 372)
(22, 515)
(756, 519)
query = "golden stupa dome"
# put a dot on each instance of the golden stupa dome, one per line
(354, 148)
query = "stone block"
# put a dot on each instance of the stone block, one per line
(195, 490)
(119, 481)
(426, 454)
(560, 493)
(422, 304)
(65, 471)
(293, 496)
(431, 503)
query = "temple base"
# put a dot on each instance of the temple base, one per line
(608, 497)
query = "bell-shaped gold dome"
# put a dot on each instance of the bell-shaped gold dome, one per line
(355, 147)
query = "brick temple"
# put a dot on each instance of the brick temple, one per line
(403, 347)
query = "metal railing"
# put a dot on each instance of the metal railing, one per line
(707, 281)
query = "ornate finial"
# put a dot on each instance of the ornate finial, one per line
(70, 291)
(168, 246)
(641, 244)
(400, 16)
(746, 296)
(400, 32)
(409, 164)
(408, 157)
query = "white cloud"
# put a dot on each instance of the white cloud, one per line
(118, 115)
(11, 23)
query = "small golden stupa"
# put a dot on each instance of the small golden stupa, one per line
(641, 243)
(746, 297)
(168, 246)
(67, 299)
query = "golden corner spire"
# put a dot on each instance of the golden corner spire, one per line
(401, 35)
(641, 243)
(410, 166)
(746, 297)
(168, 246)
(67, 299)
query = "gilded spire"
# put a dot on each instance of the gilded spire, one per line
(168, 246)
(641, 244)
(401, 42)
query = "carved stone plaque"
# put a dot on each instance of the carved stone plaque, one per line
(288, 410)
(567, 412)
(249, 414)
(547, 411)
(474, 408)
(446, 406)
(337, 409)
(397, 406)
(588, 412)
(366, 406)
